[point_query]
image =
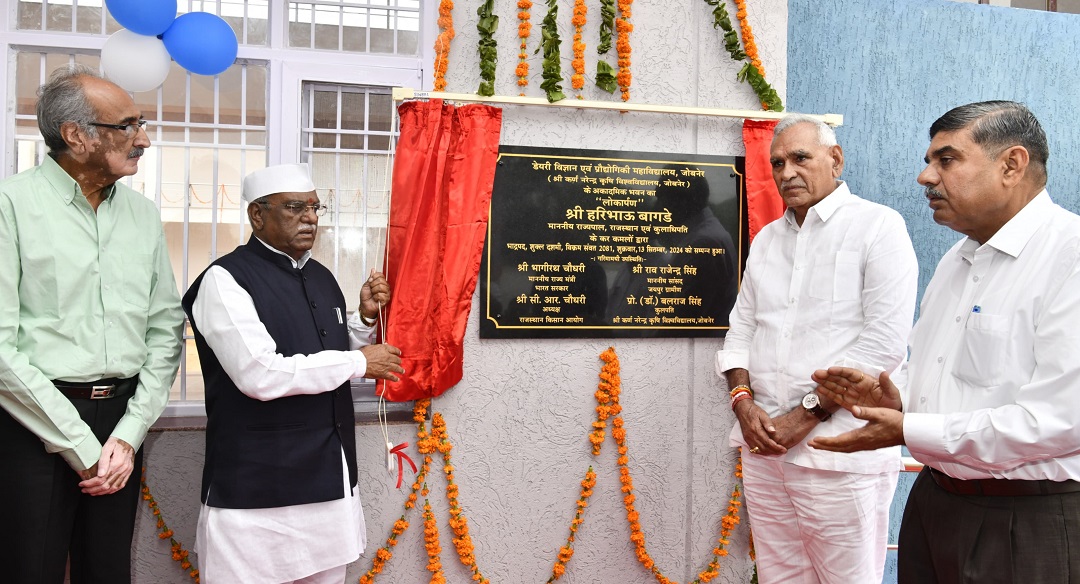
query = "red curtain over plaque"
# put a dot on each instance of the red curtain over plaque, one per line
(763, 201)
(443, 174)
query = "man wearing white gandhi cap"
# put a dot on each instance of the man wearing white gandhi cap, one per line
(279, 488)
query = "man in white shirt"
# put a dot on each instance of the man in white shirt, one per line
(990, 401)
(279, 488)
(832, 282)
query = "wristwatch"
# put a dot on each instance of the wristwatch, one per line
(812, 403)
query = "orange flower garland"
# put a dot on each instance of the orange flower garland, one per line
(622, 46)
(425, 444)
(524, 30)
(442, 43)
(458, 523)
(567, 551)
(431, 544)
(577, 79)
(749, 46)
(179, 554)
(607, 399)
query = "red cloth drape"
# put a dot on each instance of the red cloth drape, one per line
(443, 173)
(763, 202)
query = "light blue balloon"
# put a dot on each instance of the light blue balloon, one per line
(147, 17)
(201, 42)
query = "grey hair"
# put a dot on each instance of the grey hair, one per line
(62, 99)
(997, 125)
(826, 135)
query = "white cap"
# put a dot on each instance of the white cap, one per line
(283, 178)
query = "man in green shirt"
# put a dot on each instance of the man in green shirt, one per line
(90, 337)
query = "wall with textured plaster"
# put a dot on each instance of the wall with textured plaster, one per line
(520, 417)
(892, 68)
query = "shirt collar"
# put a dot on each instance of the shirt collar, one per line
(65, 186)
(1014, 235)
(295, 263)
(825, 208)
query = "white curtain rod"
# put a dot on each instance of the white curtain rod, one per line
(404, 93)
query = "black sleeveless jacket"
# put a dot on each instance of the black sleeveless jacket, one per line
(286, 451)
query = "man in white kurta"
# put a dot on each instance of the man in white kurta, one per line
(831, 282)
(239, 336)
(989, 404)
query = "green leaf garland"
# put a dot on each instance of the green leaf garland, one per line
(605, 77)
(550, 42)
(768, 96)
(488, 47)
(607, 24)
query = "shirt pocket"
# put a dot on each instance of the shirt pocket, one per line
(837, 278)
(137, 275)
(983, 349)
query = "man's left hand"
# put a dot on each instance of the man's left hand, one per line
(884, 427)
(113, 468)
(374, 294)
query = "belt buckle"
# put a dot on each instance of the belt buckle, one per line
(101, 391)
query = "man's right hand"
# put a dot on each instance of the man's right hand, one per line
(85, 475)
(757, 428)
(383, 361)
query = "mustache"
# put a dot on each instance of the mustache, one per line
(931, 192)
(792, 183)
(136, 152)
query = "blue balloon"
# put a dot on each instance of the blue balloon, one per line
(201, 42)
(147, 17)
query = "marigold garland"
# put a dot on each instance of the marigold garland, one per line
(567, 551)
(179, 554)
(524, 30)
(577, 80)
(754, 72)
(608, 406)
(425, 444)
(442, 43)
(431, 544)
(458, 523)
(622, 46)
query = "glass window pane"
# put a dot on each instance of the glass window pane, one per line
(174, 95)
(202, 99)
(324, 140)
(58, 17)
(230, 96)
(382, 109)
(325, 109)
(29, 15)
(352, 111)
(88, 19)
(352, 141)
(27, 81)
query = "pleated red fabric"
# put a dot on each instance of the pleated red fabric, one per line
(444, 169)
(763, 202)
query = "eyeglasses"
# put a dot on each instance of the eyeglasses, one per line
(128, 129)
(299, 207)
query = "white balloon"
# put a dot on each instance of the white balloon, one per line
(135, 62)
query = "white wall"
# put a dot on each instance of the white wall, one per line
(519, 419)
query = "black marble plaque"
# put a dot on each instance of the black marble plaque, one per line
(594, 243)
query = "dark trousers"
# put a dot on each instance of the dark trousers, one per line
(961, 539)
(44, 514)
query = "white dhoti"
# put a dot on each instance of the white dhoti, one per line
(281, 544)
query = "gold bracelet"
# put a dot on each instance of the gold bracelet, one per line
(364, 320)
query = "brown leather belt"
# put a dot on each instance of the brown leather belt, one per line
(100, 389)
(1002, 487)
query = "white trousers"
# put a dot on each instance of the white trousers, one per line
(817, 526)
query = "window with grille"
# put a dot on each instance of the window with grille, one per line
(207, 133)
